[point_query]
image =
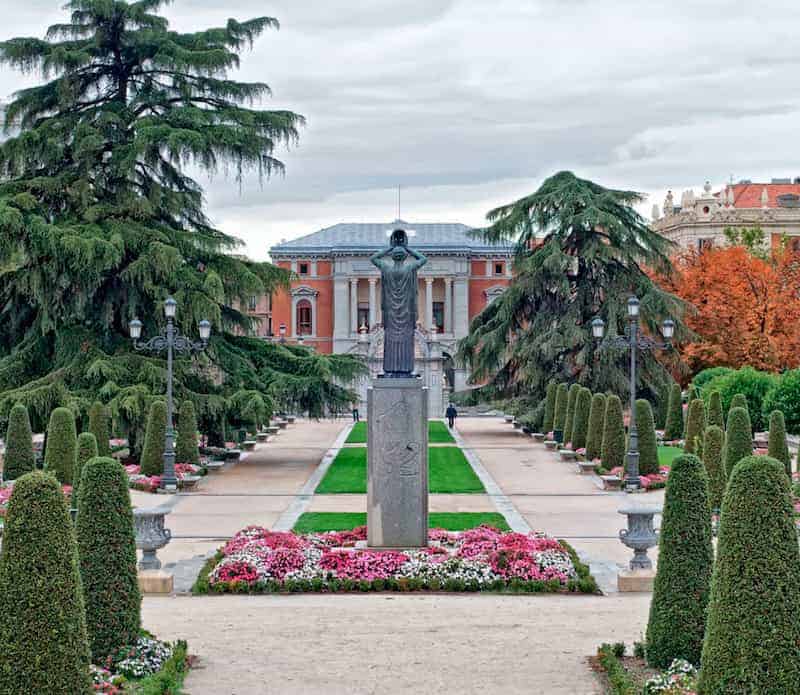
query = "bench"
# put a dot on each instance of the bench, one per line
(567, 455)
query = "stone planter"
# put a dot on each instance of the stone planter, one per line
(151, 535)
(527, 430)
(283, 424)
(188, 482)
(272, 429)
(509, 419)
(551, 444)
(586, 467)
(233, 454)
(640, 534)
(249, 445)
(538, 436)
(567, 455)
(611, 482)
(291, 419)
(517, 424)
(262, 437)
(215, 466)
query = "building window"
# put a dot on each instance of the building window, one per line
(498, 269)
(252, 303)
(303, 317)
(703, 244)
(303, 269)
(438, 316)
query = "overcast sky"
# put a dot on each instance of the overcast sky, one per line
(469, 104)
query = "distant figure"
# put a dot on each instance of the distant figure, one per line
(452, 414)
(356, 416)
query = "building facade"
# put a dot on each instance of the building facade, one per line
(333, 304)
(700, 219)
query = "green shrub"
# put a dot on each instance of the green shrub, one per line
(713, 452)
(715, 415)
(739, 400)
(43, 645)
(738, 439)
(550, 407)
(62, 445)
(580, 421)
(752, 642)
(613, 449)
(152, 462)
(100, 427)
(785, 396)
(673, 429)
(778, 446)
(703, 377)
(107, 551)
(751, 384)
(695, 424)
(560, 415)
(19, 458)
(648, 446)
(187, 450)
(87, 449)
(662, 405)
(685, 560)
(594, 435)
(572, 397)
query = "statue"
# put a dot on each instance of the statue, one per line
(398, 304)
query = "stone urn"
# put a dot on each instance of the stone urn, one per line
(151, 535)
(640, 535)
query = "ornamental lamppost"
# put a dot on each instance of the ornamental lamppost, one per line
(171, 341)
(634, 342)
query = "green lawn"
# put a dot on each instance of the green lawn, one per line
(437, 433)
(317, 522)
(667, 454)
(448, 472)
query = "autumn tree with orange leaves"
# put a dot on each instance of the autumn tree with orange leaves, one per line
(747, 307)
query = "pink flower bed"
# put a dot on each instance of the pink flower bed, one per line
(151, 483)
(654, 481)
(478, 559)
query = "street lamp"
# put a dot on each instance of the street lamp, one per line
(282, 332)
(171, 341)
(634, 342)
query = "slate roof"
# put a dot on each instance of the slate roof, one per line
(369, 237)
(748, 195)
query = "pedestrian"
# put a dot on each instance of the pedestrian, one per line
(356, 416)
(452, 414)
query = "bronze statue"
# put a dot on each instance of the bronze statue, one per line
(399, 304)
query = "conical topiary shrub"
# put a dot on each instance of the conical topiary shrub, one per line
(713, 452)
(560, 412)
(87, 449)
(685, 560)
(739, 400)
(778, 446)
(100, 427)
(152, 462)
(613, 449)
(107, 551)
(674, 427)
(752, 640)
(549, 407)
(187, 450)
(580, 421)
(62, 445)
(738, 438)
(19, 458)
(594, 436)
(648, 446)
(43, 645)
(572, 397)
(695, 424)
(714, 415)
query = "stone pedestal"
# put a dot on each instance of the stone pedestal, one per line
(155, 582)
(631, 581)
(397, 464)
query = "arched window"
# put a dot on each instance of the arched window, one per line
(303, 319)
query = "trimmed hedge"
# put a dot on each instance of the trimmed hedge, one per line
(594, 435)
(739, 400)
(713, 454)
(748, 383)
(549, 407)
(752, 642)
(685, 560)
(778, 446)
(107, 551)
(87, 449)
(19, 457)
(704, 376)
(61, 453)
(648, 446)
(561, 407)
(715, 415)
(100, 427)
(43, 644)
(580, 422)
(785, 396)
(572, 397)
(152, 461)
(613, 449)
(738, 439)
(695, 424)
(187, 450)
(673, 429)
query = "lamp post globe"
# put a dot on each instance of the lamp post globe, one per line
(135, 328)
(668, 329)
(633, 307)
(204, 327)
(598, 328)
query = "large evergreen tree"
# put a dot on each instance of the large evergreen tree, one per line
(581, 251)
(99, 220)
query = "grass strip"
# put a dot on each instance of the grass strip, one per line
(437, 433)
(667, 454)
(319, 522)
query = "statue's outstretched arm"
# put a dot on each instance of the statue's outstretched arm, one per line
(420, 260)
(376, 258)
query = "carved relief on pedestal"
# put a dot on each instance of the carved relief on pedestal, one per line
(397, 454)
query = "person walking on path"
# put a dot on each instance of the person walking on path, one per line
(452, 414)
(356, 416)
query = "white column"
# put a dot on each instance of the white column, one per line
(372, 303)
(429, 304)
(340, 308)
(448, 305)
(461, 307)
(354, 305)
(489, 268)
